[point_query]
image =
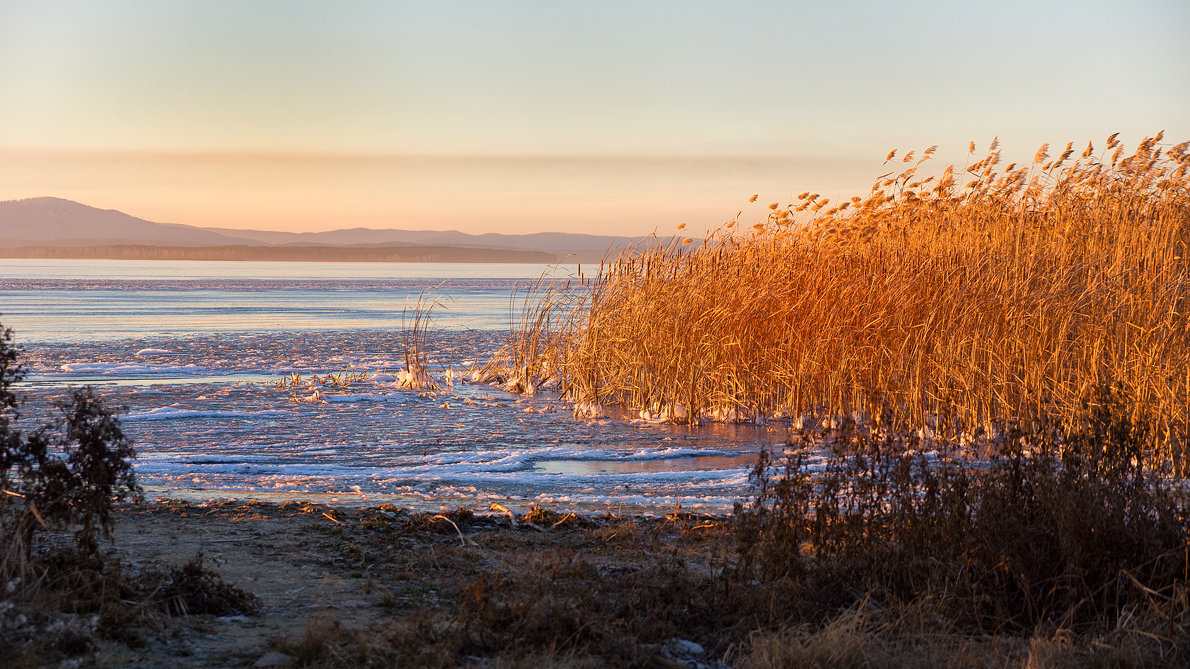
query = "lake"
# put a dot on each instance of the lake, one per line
(196, 354)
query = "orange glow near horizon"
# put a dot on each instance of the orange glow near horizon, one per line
(476, 194)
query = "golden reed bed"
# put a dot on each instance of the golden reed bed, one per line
(958, 302)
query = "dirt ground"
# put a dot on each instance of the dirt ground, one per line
(318, 570)
(281, 557)
(387, 587)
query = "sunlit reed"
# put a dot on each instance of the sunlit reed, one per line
(954, 303)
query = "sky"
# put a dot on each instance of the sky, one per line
(606, 117)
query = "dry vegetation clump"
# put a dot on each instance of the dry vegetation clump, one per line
(953, 303)
(1065, 542)
(59, 604)
(415, 323)
(542, 316)
(193, 589)
(343, 379)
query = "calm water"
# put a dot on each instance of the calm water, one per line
(194, 352)
(89, 300)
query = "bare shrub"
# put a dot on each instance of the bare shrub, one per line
(1063, 529)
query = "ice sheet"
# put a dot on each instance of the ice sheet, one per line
(215, 376)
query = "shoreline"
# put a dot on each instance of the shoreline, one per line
(479, 508)
(351, 571)
(386, 586)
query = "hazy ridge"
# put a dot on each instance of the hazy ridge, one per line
(48, 227)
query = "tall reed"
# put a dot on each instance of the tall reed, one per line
(542, 317)
(416, 320)
(956, 303)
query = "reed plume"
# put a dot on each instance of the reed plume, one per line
(921, 304)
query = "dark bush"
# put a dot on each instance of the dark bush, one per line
(71, 471)
(93, 471)
(193, 589)
(1065, 526)
(11, 372)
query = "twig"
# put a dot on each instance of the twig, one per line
(496, 506)
(38, 516)
(569, 516)
(465, 540)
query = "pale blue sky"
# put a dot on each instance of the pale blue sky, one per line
(641, 113)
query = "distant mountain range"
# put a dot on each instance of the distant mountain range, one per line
(53, 227)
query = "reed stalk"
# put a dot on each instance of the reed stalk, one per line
(957, 303)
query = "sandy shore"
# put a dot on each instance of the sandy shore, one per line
(328, 577)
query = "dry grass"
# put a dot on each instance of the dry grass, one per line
(416, 321)
(926, 303)
(344, 379)
(1065, 551)
(865, 637)
(60, 603)
(542, 317)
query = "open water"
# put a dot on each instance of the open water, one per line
(197, 355)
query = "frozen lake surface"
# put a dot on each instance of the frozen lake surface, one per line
(197, 353)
